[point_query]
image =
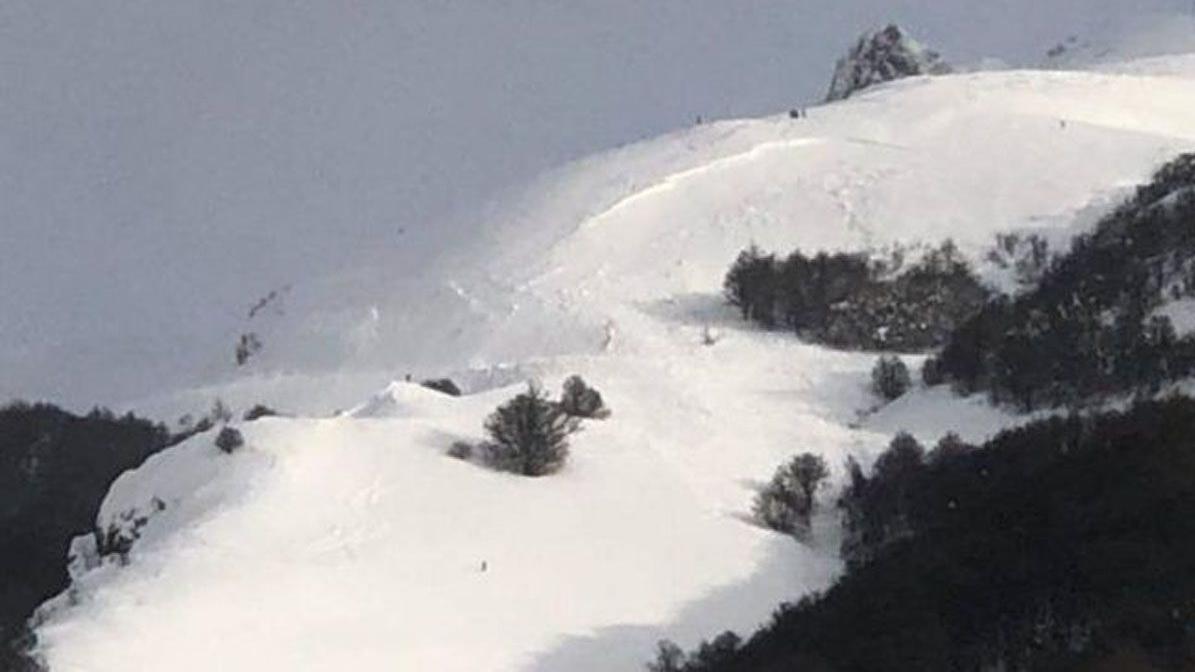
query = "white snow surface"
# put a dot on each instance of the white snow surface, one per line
(1181, 314)
(1108, 48)
(352, 541)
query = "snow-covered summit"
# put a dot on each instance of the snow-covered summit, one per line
(881, 56)
(402, 399)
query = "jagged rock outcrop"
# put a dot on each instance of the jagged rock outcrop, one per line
(882, 56)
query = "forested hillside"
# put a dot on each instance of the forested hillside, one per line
(1062, 545)
(55, 468)
(1092, 327)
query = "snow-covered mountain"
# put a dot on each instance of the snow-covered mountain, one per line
(882, 56)
(352, 541)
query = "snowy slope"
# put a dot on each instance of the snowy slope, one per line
(1148, 35)
(354, 542)
(662, 219)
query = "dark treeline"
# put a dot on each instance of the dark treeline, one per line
(845, 300)
(1063, 545)
(55, 469)
(1087, 329)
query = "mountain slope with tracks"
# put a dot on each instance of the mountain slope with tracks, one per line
(350, 540)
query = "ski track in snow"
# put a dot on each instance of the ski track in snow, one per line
(676, 180)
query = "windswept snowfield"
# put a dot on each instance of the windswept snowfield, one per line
(346, 539)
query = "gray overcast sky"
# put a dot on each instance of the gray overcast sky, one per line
(228, 145)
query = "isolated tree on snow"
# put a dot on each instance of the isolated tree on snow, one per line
(787, 502)
(529, 434)
(890, 378)
(582, 401)
(229, 439)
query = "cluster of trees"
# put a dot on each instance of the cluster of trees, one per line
(528, 434)
(1089, 328)
(117, 538)
(846, 300)
(220, 414)
(55, 469)
(707, 656)
(1061, 545)
(886, 507)
(229, 439)
(1027, 256)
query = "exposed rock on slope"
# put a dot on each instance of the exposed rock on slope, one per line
(882, 56)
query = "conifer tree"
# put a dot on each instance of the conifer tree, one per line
(890, 378)
(529, 434)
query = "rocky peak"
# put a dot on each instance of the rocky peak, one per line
(882, 56)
